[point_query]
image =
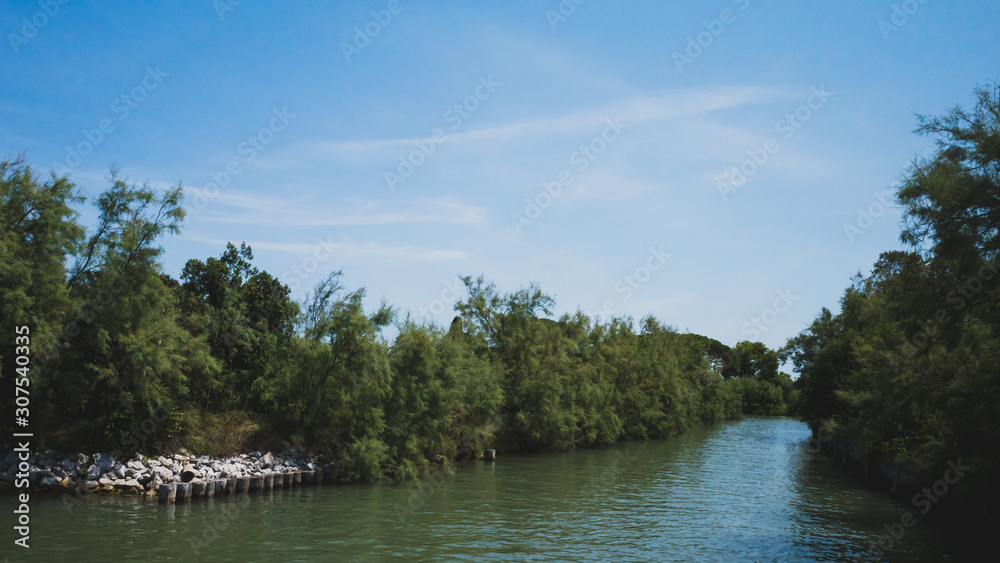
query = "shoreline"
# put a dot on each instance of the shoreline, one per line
(52, 471)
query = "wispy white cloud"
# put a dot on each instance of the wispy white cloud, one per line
(632, 111)
(245, 208)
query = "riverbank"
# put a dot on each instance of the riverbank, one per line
(966, 515)
(101, 472)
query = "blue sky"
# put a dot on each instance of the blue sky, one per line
(696, 161)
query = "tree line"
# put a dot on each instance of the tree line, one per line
(223, 358)
(908, 371)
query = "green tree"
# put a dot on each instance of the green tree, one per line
(38, 230)
(130, 356)
(248, 317)
(952, 200)
(334, 394)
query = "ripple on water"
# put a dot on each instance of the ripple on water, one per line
(740, 491)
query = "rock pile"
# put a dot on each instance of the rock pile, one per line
(50, 470)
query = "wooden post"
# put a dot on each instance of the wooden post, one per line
(231, 486)
(220, 486)
(268, 482)
(286, 480)
(167, 493)
(490, 455)
(198, 489)
(297, 479)
(242, 485)
(210, 489)
(279, 480)
(256, 483)
(183, 492)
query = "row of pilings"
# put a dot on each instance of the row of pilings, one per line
(197, 489)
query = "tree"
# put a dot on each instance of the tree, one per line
(128, 356)
(952, 200)
(509, 325)
(249, 322)
(38, 230)
(907, 371)
(333, 396)
(756, 361)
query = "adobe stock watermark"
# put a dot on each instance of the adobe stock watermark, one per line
(926, 499)
(580, 159)
(563, 11)
(626, 287)
(786, 127)
(300, 272)
(364, 35)
(714, 28)
(430, 484)
(958, 298)
(753, 328)
(452, 291)
(122, 107)
(868, 215)
(48, 9)
(901, 14)
(456, 116)
(223, 7)
(249, 149)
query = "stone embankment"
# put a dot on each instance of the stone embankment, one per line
(52, 471)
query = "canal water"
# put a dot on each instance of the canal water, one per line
(749, 490)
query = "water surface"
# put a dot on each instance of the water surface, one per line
(738, 491)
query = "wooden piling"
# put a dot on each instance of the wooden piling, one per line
(198, 489)
(286, 480)
(242, 485)
(210, 489)
(183, 492)
(231, 486)
(256, 483)
(297, 479)
(220, 486)
(490, 455)
(268, 482)
(167, 493)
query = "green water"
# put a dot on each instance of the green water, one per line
(740, 491)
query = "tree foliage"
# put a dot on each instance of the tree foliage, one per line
(907, 371)
(225, 343)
